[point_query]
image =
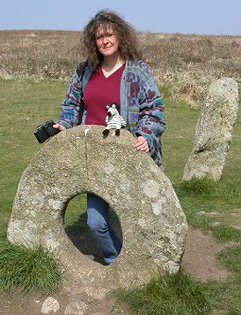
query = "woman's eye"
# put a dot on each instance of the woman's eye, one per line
(100, 37)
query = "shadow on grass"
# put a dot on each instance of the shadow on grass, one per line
(82, 238)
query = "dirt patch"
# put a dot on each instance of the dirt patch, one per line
(62, 303)
(199, 260)
(200, 257)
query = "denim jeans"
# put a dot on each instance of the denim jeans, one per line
(98, 222)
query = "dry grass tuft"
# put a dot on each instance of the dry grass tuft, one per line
(186, 63)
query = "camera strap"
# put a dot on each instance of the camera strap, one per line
(81, 70)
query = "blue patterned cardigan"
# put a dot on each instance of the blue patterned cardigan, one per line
(141, 104)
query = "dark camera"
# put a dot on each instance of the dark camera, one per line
(45, 131)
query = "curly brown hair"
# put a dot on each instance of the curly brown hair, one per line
(125, 33)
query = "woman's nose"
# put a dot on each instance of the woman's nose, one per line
(104, 39)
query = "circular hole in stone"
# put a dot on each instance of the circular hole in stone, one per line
(75, 224)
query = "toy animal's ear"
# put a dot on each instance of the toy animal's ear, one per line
(107, 106)
(113, 106)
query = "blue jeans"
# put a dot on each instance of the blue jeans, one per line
(98, 222)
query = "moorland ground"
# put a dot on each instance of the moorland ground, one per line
(187, 64)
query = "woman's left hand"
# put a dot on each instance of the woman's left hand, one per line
(142, 144)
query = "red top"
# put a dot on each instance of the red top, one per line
(100, 92)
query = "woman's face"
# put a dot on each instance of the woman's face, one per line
(106, 41)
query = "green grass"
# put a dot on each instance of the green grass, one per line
(213, 207)
(27, 269)
(75, 217)
(175, 294)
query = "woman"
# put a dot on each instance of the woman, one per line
(113, 73)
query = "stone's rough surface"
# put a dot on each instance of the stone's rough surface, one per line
(50, 305)
(76, 161)
(213, 131)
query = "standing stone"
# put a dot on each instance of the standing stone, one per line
(213, 131)
(79, 160)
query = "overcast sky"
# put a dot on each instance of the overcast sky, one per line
(217, 17)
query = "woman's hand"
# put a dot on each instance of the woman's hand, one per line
(142, 144)
(59, 127)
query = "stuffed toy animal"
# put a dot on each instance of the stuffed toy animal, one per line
(113, 121)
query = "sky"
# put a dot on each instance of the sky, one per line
(203, 17)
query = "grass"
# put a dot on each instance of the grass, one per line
(29, 270)
(176, 294)
(213, 207)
